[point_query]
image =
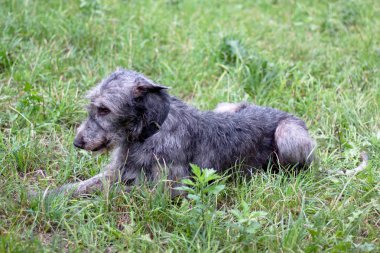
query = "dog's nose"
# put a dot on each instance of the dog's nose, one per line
(79, 143)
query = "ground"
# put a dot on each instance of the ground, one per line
(316, 59)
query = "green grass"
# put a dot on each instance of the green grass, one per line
(319, 60)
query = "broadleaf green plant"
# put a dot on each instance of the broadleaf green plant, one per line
(202, 191)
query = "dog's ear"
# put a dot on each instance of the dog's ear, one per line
(143, 86)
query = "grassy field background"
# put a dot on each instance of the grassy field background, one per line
(316, 59)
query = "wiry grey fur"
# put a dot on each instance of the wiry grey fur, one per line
(149, 130)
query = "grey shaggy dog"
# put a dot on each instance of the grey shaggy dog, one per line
(151, 133)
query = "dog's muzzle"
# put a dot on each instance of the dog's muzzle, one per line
(79, 143)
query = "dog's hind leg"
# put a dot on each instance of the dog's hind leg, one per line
(229, 107)
(293, 143)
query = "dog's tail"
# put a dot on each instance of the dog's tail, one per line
(293, 142)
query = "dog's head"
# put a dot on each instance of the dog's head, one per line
(124, 107)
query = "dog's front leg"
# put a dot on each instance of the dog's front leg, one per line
(109, 176)
(98, 182)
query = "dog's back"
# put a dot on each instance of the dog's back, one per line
(289, 136)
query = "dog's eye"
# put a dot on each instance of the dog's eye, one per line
(103, 111)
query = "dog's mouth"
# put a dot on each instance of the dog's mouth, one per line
(102, 147)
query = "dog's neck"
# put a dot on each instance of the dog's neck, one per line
(149, 130)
